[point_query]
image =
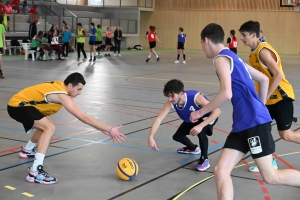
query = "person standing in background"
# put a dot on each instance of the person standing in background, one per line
(181, 45)
(117, 38)
(92, 42)
(24, 7)
(8, 10)
(232, 42)
(66, 37)
(99, 38)
(108, 41)
(80, 42)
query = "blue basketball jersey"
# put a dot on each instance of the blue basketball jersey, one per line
(189, 106)
(181, 37)
(248, 109)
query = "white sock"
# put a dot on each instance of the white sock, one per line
(149, 56)
(156, 56)
(30, 145)
(38, 160)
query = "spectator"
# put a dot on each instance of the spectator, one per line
(46, 46)
(232, 42)
(37, 44)
(92, 42)
(8, 10)
(99, 38)
(108, 41)
(34, 14)
(33, 29)
(16, 5)
(55, 45)
(2, 47)
(24, 7)
(66, 37)
(118, 38)
(2, 11)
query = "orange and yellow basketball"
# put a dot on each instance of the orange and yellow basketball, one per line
(127, 169)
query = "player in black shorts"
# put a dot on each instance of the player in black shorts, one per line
(2, 47)
(152, 37)
(181, 45)
(108, 41)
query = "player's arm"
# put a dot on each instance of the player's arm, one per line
(157, 39)
(4, 41)
(223, 69)
(263, 82)
(269, 59)
(202, 101)
(162, 114)
(69, 104)
(228, 41)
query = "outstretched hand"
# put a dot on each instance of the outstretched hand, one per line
(152, 144)
(115, 134)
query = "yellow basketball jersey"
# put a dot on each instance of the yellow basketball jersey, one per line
(285, 89)
(36, 96)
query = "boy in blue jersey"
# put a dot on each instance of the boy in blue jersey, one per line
(67, 36)
(92, 42)
(181, 45)
(185, 102)
(251, 129)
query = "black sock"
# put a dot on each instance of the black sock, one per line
(183, 56)
(178, 56)
(203, 141)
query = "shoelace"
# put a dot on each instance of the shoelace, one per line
(41, 171)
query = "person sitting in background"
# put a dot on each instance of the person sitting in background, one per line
(46, 45)
(36, 44)
(55, 45)
(16, 5)
(2, 11)
(8, 10)
(34, 14)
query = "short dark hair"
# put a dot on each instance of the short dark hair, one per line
(74, 78)
(93, 24)
(251, 27)
(214, 32)
(99, 26)
(173, 86)
(79, 24)
(181, 29)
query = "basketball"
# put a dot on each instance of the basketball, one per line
(127, 169)
(22, 52)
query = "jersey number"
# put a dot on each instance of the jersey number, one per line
(152, 35)
(192, 109)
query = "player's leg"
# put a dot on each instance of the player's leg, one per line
(29, 150)
(203, 163)
(91, 52)
(178, 54)
(228, 159)
(181, 136)
(183, 54)
(1, 73)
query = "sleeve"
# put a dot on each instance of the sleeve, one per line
(185, 35)
(83, 32)
(147, 33)
(228, 40)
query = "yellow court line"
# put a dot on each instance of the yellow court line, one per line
(28, 194)
(186, 190)
(10, 187)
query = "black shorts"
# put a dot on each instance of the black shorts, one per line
(1, 51)
(98, 42)
(233, 50)
(8, 18)
(185, 128)
(92, 42)
(282, 112)
(152, 45)
(25, 115)
(258, 140)
(108, 41)
(180, 45)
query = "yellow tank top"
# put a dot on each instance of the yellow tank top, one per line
(285, 89)
(36, 96)
(80, 39)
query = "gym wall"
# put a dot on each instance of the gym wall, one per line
(280, 25)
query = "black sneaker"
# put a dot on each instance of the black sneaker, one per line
(1, 75)
(105, 55)
(94, 59)
(90, 59)
(147, 59)
(109, 55)
(157, 58)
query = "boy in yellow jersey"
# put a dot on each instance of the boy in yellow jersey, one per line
(280, 96)
(32, 107)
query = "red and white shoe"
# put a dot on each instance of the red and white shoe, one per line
(40, 176)
(27, 153)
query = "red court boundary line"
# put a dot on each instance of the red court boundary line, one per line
(283, 161)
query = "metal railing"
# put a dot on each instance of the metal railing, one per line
(111, 3)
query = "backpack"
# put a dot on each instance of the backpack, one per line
(15, 43)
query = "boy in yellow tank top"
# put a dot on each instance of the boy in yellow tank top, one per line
(32, 107)
(280, 97)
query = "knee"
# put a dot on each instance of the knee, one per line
(221, 172)
(50, 128)
(270, 179)
(176, 137)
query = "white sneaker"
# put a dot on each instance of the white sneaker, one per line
(114, 54)
(184, 62)
(255, 168)
(119, 54)
(177, 61)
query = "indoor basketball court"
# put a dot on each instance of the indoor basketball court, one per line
(128, 91)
